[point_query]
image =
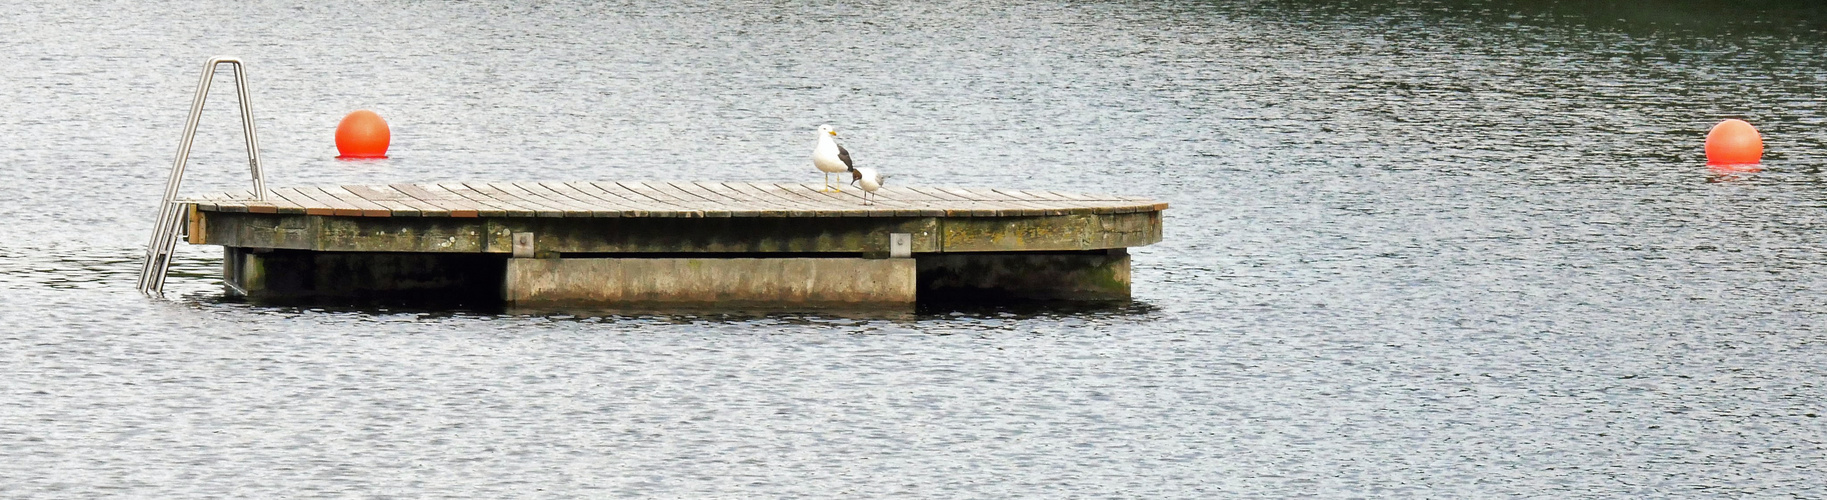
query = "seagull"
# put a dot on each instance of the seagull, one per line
(829, 157)
(871, 179)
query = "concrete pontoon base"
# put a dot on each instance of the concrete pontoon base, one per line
(701, 282)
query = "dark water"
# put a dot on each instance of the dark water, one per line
(1416, 249)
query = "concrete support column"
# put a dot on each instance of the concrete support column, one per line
(711, 282)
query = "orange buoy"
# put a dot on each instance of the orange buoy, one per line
(1734, 142)
(362, 134)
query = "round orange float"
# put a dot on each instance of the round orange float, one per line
(1734, 142)
(363, 134)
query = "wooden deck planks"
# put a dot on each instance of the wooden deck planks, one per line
(629, 207)
(451, 203)
(316, 197)
(368, 208)
(790, 206)
(654, 205)
(820, 205)
(600, 206)
(273, 204)
(507, 209)
(844, 207)
(571, 208)
(957, 205)
(398, 204)
(538, 208)
(718, 205)
(663, 196)
(291, 196)
(880, 206)
(664, 199)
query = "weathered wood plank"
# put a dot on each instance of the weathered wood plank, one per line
(885, 202)
(659, 191)
(957, 206)
(1028, 194)
(854, 195)
(906, 202)
(239, 201)
(689, 195)
(425, 208)
(1026, 205)
(571, 208)
(338, 206)
(296, 197)
(1004, 205)
(1057, 204)
(737, 199)
(686, 190)
(654, 208)
(368, 208)
(396, 207)
(821, 205)
(845, 206)
(508, 208)
(660, 207)
(630, 208)
(789, 205)
(1072, 196)
(602, 207)
(541, 206)
(741, 204)
(275, 204)
(270, 205)
(222, 202)
(1048, 198)
(539, 209)
(597, 207)
(452, 204)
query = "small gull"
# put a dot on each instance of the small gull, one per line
(871, 181)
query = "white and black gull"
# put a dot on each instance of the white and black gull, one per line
(829, 157)
(869, 179)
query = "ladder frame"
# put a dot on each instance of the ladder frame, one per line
(165, 233)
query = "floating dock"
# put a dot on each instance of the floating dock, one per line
(670, 244)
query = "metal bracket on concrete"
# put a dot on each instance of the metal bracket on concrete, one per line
(523, 245)
(900, 245)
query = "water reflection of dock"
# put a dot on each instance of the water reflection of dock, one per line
(672, 243)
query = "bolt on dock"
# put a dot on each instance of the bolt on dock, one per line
(668, 244)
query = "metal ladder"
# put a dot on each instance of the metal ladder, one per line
(165, 233)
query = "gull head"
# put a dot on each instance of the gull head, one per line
(826, 130)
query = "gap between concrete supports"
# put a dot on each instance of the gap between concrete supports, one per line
(1076, 276)
(294, 276)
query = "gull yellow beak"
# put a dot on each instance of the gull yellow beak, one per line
(834, 132)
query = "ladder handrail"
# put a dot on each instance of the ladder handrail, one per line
(165, 233)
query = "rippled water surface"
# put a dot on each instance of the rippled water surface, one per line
(1416, 249)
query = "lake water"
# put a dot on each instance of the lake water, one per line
(1417, 249)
